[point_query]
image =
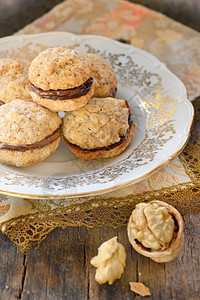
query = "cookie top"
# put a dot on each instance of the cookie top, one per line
(100, 123)
(59, 68)
(25, 122)
(14, 81)
(103, 74)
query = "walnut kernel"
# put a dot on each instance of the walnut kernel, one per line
(152, 226)
(110, 261)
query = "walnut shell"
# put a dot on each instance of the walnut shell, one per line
(176, 244)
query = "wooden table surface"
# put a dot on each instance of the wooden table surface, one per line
(60, 268)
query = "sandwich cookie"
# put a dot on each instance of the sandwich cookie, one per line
(60, 79)
(28, 133)
(101, 129)
(104, 76)
(14, 81)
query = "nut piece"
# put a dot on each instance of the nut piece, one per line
(152, 226)
(156, 230)
(110, 261)
(139, 288)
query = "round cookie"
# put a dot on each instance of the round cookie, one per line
(28, 133)
(14, 81)
(101, 129)
(104, 76)
(61, 79)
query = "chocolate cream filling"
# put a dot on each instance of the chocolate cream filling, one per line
(63, 94)
(38, 145)
(122, 139)
(113, 93)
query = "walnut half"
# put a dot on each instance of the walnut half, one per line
(156, 230)
(110, 261)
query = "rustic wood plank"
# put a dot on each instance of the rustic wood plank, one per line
(61, 268)
(182, 274)
(11, 269)
(57, 270)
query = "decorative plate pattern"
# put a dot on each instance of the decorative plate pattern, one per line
(157, 98)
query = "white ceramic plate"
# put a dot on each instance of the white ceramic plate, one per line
(157, 98)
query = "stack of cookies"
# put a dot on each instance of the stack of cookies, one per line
(95, 125)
